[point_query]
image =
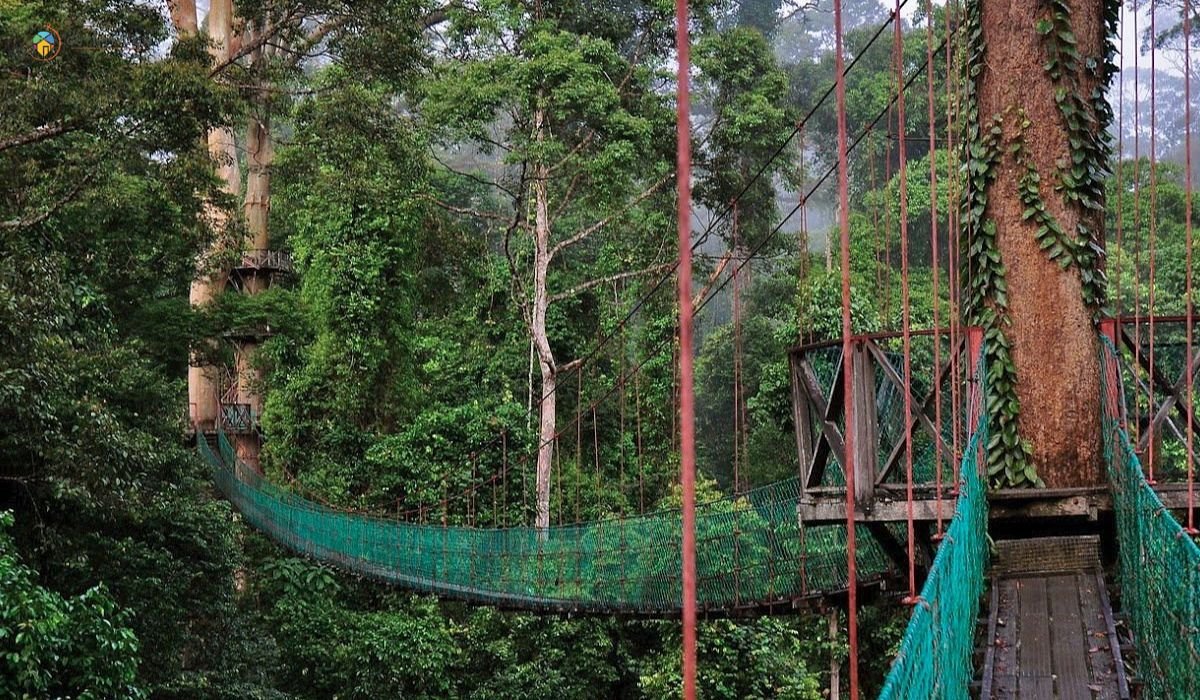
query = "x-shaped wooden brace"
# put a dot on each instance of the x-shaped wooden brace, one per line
(1172, 392)
(921, 415)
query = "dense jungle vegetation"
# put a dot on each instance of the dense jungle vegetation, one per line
(405, 142)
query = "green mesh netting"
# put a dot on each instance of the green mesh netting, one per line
(750, 550)
(934, 660)
(1159, 564)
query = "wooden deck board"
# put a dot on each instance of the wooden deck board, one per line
(1048, 639)
(1035, 657)
(1071, 669)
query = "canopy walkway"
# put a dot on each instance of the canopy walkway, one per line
(752, 551)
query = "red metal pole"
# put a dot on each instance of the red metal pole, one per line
(687, 437)
(1187, 216)
(1153, 234)
(902, 172)
(933, 244)
(844, 221)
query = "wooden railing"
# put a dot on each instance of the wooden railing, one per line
(877, 381)
(266, 260)
(1155, 409)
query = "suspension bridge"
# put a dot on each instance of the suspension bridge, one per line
(1084, 591)
(757, 554)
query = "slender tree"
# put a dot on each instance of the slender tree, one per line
(565, 94)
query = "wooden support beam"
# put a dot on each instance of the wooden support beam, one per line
(829, 441)
(920, 416)
(865, 424)
(825, 509)
(802, 421)
(828, 504)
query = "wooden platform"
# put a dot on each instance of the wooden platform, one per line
(1051, 635)
(828, 504)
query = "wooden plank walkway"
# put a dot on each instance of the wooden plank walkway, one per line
(1051, 636)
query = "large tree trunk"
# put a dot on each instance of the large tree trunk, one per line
(202, 377)
(541, 341)
(1054, 346)
(260, 154)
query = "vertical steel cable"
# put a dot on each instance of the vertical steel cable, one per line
(933, 244)
(1137, 226)
(1187, 219)
(844, 223)
(1120, 188)
(1150, 453)
(952, 78)
(906, 320)
(735, 292)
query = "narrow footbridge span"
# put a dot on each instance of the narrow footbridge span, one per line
(753, 554)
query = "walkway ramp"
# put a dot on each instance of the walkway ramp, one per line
(1050, 631)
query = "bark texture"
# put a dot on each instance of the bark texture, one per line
(203, 378)
(1055, 350)
(541, 304)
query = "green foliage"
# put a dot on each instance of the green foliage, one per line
(766, 658)
(99, 223)
(747, 92)
(51, 646)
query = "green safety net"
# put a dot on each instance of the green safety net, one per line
(751, 550)
(935, 657)
(1159, 564)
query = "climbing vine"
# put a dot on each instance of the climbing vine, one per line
(1081, 174)
(986, 295)
(1079, 177)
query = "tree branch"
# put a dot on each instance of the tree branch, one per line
(578, 289)
(317, 35)
(260, 39)
(567, 197)
(584, 233)
(716, 273)
(35, 219)
(487, 215)
(42, 133)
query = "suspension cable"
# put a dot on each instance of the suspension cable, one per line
(1137, 220)
(1187, 218)
(906, 320)
(933, 244)
(844, 223)
(1150, 452)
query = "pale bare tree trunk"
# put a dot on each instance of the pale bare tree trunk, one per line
(183, 16)
(203, 378)
(260, 154)
(541, 341)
